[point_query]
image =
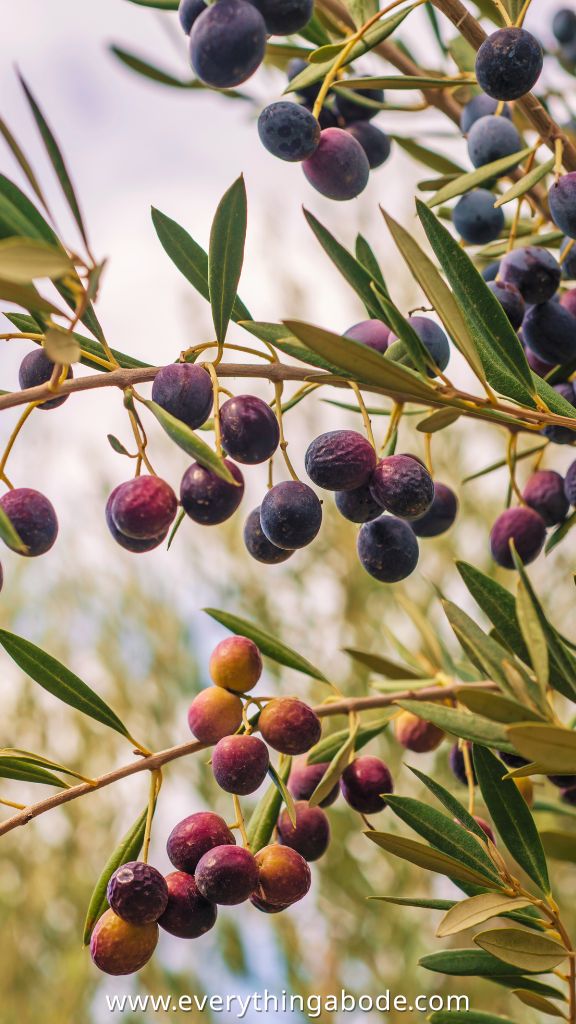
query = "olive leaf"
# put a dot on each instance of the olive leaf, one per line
(551, 745)
(59, 680)
(23, 260)
(382, 666)
(328, 747)
(186, 439)
(537, 1002)
(128, 849)
(479, 176)
(353, 270)
(426, 857)
(336, 768)
(267, 643)
(460, 723)
(477, 909)
(25, 770)
(284, 793)
(265, 815)
(226, 254)
(535, 953)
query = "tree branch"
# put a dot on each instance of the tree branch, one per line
(154, 761)
(512, 416)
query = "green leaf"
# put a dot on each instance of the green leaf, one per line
(460, 723)
(22, 161)
(353, 271)
(361, 10)
(559, 845)
(537, 1002)
(445, 835)
(226, 255)
(495, 707)
(366, 256)
(143, 67)
(59, 680)
(337, 766)
(536, 953)
(9, 535)
(128, 849)
(534, 639)
(413, 350)
(498, 605)
(478, 177)
(468, 963)
(26, 296)
(404, 82)
(435, 161)
(526, 182)
(553, 747)
(281, 338)
(422, 904)
(426, 857)
(267, 643)
(500, 463)
(186, 439)
(27, 771)
(328, 747)
(467, 1017)
(57, 161)
(88, 345)
(190, 258)
(265, 815)
(117, 445)
(558, 653)
(477, 909)
(499, 347)
(438, 420)
(452, 805)
(512, 817)
(382, 666)
(38, 759)
(375, 35)
(560, 533)
(354, 358)
(285, 793)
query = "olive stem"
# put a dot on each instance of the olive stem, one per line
(150, 762)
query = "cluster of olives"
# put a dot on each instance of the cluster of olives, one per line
(211, 870)
(227, 39)
(547, 498)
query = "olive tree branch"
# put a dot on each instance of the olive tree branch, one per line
(154, 762)
(500, 412)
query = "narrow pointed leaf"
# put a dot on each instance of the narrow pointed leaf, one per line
(263, 819)
(538, 1002)
(445, 835)
(469, 963)
(499, 347)
(317, 72)
(551, 745)
(534, 638)
(426, 857)
(127, 850)
(27, 771)
(477, 909)
(9, 535)
(382, 666)
(23, 162)
(367, 258)
(57, 160)
(461, 723)
(353, 271)
(186, 439)
(512, 817)
(452, 804)
(478, 177)
(428, 157)
(525, 183)
(334, 771)
(226, 255)
(354, 358)
(285, 793)
(438, 420)
(59, 680)
(523, 949)
(267, 643)
(26, 296)
(328, 747)
(495, 707)
(190, 258)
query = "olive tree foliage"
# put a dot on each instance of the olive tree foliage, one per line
(499, 677)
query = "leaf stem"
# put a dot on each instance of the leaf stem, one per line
(155, 784)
